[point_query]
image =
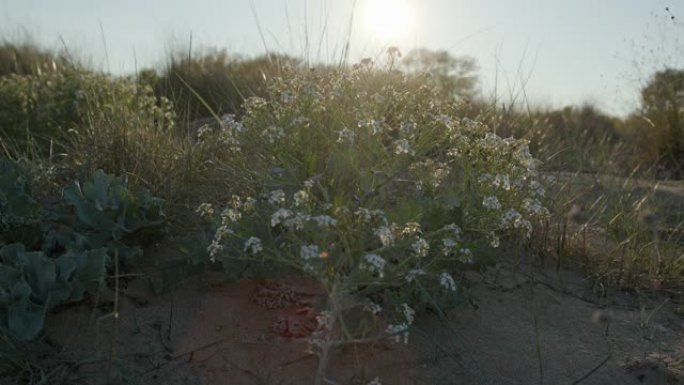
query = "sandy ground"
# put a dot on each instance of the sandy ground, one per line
(527, 326)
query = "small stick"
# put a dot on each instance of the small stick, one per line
(592, 371)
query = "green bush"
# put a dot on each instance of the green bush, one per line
(384, 194)
(657, 128)
(26, 58)
(214, 83)
(20, 213)
(46, 107)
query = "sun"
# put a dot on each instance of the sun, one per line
(388, 20)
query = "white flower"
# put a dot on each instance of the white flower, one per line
(279, 216)
(402, 146)
(420, 247)
(230, 215)
(324, 221)
(439, 175)
(408, 127)
(537, 189)
(385, 235)
(502, 181)
(524, 224)
(411, 228)
(307, 252)
(466, 256)
(493, 240)
(455, 230)
(309, 183)
(491, 203)
(273, 133)
(205, 210)
(448, 245)
(300, 197)
(412, 274)
(276, 197)
(214, 248)
(446, 280)
(376, 263)
(510, 217)
(228, 121)
(222, 232)
(408, 312)
(253, 245)
(368, 215)
(297, 222)
(398, 333)
(377, 126)
(346, 136)
(485, 178)
(364, 214)
(372, 307)
(533, 206)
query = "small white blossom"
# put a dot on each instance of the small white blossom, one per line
(375, 381)
(346, 136)
(493, 240)
(273, 133)
(222, 232)
(491, 203)
(376, 264)
(276, 197)
(408, 312)
(455, 229)
(446, 280)
(307, 252)
(411, 228)
(533, 206)
(448, 245)
(537, 189)
(412, 274)
(402, 146)
(398, 333)
(364, 214)
(205, 210)
(309, 183)
(279, 216)
(466, 256)
(385, 234)
(230, 215)
(420, 247)
(502, 181)
(300, 197)
(214, 248)
(324, 221)
(369, 215)
(297, 222)
(253, 245)
(510, 217)
(372, 307)
(408, 127)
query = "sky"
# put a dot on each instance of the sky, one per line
(550, 53)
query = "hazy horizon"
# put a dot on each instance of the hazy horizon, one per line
(565, 53)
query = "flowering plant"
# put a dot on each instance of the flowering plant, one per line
(379, 193)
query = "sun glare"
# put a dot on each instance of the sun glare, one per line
(388, 20)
